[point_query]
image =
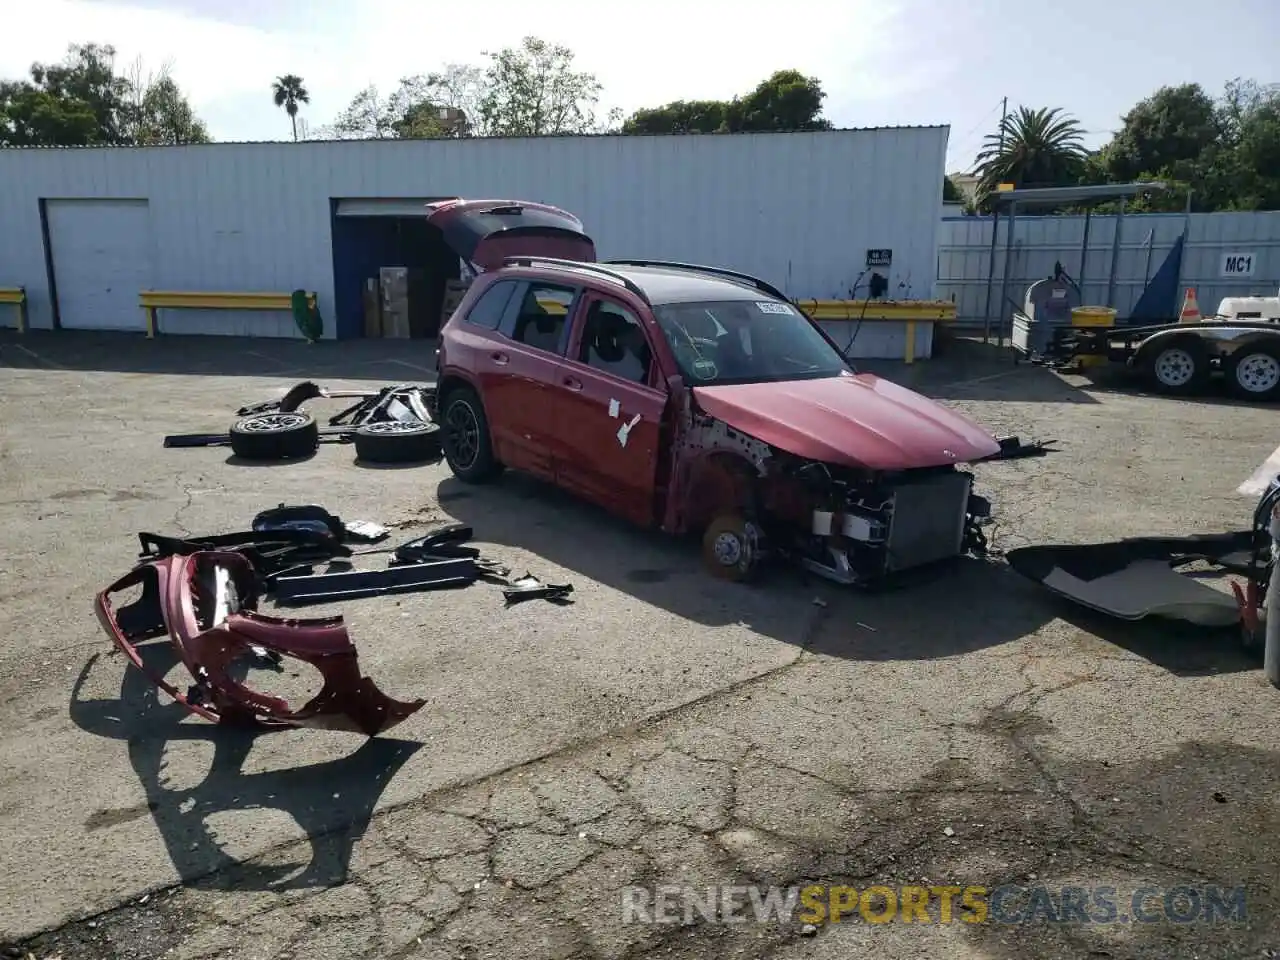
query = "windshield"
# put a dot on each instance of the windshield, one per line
(744, 341)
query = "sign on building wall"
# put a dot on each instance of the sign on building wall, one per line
(879, 258)
(1238, 264)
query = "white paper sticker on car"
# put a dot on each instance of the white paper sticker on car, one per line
(624, 431)
(614, 409)
(772, 306)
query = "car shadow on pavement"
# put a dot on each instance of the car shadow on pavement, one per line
(332, 801)
(1118, 381)
(972, 370)
(949, 609)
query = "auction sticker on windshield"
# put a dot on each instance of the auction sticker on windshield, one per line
(770, 306)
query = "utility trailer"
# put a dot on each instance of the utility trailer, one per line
(1179, 359)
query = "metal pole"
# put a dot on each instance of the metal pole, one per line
(1115, 257)
(995, 232)
(1084, 252)
(991, 275)
(1271, 651)
(1008, 265)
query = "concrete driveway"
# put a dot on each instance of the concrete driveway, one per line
(666, 729)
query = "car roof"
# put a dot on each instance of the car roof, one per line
(678, 285)
(663, 284)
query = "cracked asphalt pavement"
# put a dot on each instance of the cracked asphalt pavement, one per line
(666, 729)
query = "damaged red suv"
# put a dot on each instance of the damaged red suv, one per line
(692, 399)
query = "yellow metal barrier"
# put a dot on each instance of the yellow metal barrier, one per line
(18, 297)
(153, 300)
(909, 312)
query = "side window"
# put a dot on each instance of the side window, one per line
(613, 342)
(543, 314)
(488, 310)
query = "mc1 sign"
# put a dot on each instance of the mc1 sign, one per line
(1237, 264)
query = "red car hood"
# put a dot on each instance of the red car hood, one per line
(854, 420)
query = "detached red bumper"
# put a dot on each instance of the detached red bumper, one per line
(203, 603)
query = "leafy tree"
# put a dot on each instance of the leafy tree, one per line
(459, 87)
(950, 192)
(680, 116)
(364, 118)
(1248, 155)
(1169, 129)
(156, 112)
(1226, 153)
(787, 100)
(289, 92)
(1041, 147)
(414, 110)
(84, 101)
(533, 90)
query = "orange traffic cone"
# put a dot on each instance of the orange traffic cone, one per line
(1190, 308)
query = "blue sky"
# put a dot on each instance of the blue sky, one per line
(882, 62)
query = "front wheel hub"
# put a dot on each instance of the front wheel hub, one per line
(728, 548)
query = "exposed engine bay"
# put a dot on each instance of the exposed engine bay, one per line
(848, 525)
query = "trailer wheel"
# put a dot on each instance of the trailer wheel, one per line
(397, 441)
(1179, 367)
(1253, 373)
(289, 435)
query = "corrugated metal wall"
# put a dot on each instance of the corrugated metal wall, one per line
(1145, 239)
(799, 209)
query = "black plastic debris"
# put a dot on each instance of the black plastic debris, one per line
(1012, 448)
(354, 584)
(319, 520)
(530, 587)
(288, 543)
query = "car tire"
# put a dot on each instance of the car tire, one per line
(731, 548)
(397, 441)
(1253, 373)
(275, 436)
(1178, 368)
(465, 439)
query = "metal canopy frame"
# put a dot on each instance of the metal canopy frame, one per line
(1011, 200)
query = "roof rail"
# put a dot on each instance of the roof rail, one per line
(528, 261)
(761, 285)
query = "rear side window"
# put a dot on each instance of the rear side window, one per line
(544, 313)
(488, 310)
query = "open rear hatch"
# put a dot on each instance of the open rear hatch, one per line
(485, 232)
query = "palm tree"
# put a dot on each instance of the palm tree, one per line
(1032, 148)
(288, 92)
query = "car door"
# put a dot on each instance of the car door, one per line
(522, 365)
(608, 410)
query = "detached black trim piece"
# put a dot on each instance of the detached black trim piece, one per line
(530, 587)
(354, 584)
(197, 440)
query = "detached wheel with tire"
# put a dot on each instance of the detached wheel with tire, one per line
(464, 430)
(1253, 373)
(397, 441)
(275, 436)
(1179, 368)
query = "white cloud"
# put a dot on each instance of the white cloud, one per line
(643, 54)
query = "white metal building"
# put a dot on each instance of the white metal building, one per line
(84, 230)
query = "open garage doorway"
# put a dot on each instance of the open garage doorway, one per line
(370, 234)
